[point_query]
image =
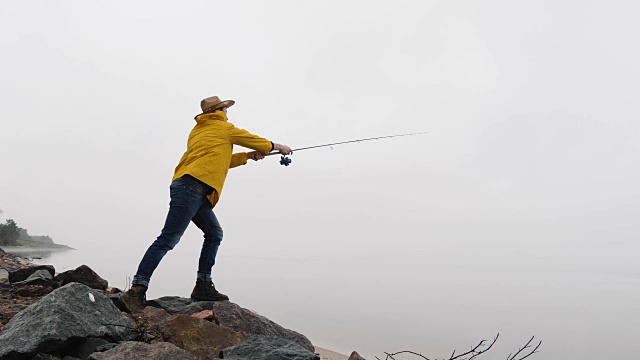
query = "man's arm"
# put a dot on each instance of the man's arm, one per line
(244, 138)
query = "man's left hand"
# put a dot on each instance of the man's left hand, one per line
(255, 155)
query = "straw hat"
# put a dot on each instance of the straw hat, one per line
(214, 103)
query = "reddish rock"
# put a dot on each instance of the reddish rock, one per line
(113, 290)
(31, 291)
(23, 273)
(355, 356)
(203, 339)
(83, 275)
(154, 315)
(1, 327)
(205, 315)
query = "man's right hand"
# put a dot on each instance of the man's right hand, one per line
(282, 149)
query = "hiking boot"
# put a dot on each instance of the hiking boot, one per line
(206, 291)
(135, 298)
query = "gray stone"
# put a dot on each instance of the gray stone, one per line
(232, 316)
(39, 277)
(42, 356)
(4, 276)
(59, 320)
(22, 274)
(172, 304)
(117, 301)
(242, 320)
(86, 348)
(140, 350)
(268, 348)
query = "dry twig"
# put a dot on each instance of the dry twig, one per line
(474, 352)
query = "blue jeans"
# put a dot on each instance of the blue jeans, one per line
(188, 203)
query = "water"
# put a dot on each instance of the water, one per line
(582, 307)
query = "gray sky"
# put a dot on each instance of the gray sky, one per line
(531, 107)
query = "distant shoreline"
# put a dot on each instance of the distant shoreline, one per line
(36, 245)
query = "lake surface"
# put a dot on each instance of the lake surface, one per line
(582, 307)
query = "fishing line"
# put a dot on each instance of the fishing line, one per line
(286, 161)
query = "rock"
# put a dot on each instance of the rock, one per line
(140, 350)
(39, 277)
(243, 320)
(59, 319)
(83, 275)
(232, 316)
(355, 356)
(206, 315)
(32, 291)
(201, 338)
(22, 261)
(154, 315)
(23, 273)
(86, 348)
(43, 356)
(117, 301)
(4, 276)
(106, 347)
(1, 327)
(113, 290)
(172, 304)
(268, 347)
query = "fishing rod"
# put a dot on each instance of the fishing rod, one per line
(286, 161)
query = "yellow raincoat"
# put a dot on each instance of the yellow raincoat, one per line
(209, 151)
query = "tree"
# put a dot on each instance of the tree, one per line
(9, 233)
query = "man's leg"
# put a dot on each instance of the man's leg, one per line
(186, 199)
(206, 220)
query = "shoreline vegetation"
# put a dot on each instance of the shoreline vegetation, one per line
(13, 235)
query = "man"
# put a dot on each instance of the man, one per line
(195, 189)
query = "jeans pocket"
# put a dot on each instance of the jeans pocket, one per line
(176, 189)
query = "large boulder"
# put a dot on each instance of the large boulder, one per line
(268, 347)
(203, 339)
(39, 277)
(23, 273)
(232, 316)
(139, 350)
(83, 275)
(60, 320)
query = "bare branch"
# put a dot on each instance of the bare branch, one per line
(475, 351)
(529, 354)
(406, 352)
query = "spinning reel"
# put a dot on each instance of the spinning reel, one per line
(285, 160)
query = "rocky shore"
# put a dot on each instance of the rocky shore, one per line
(46, 315)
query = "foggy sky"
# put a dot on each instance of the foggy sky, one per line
(530, 109)
(533, 145)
